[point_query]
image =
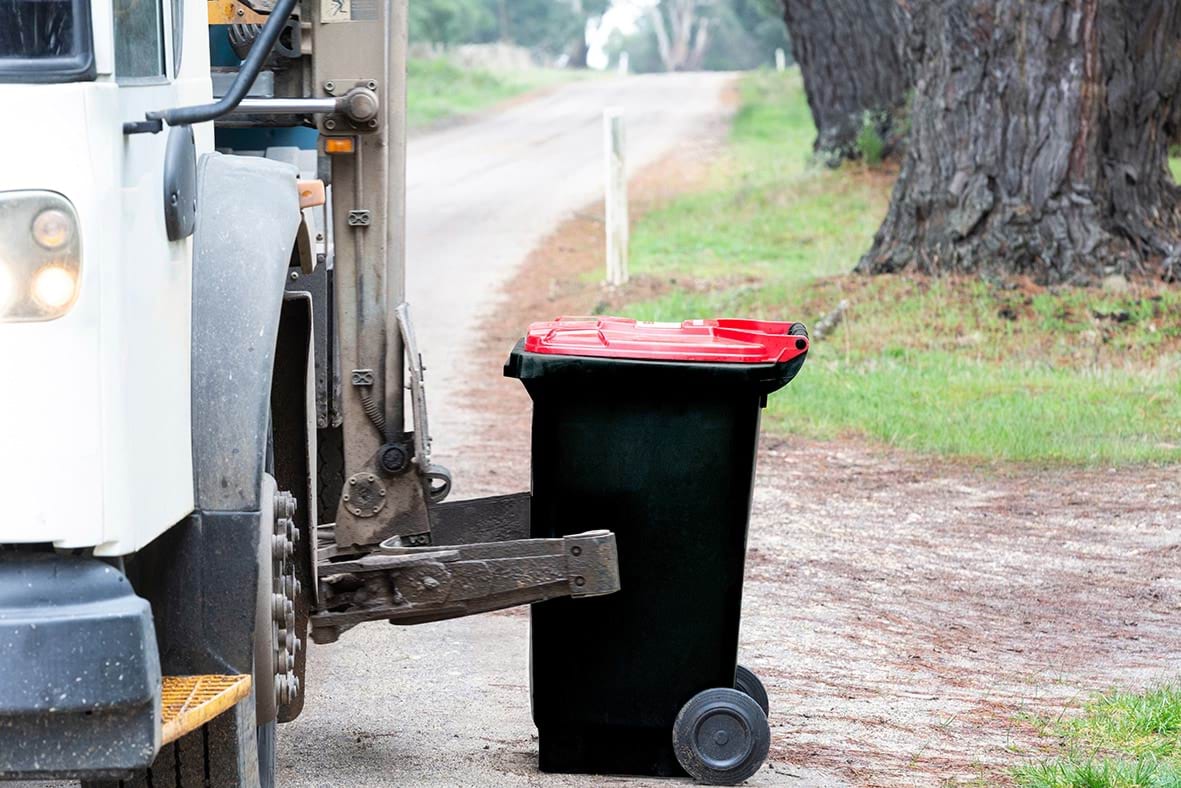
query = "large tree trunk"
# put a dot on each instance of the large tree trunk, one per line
(1039, 141)
(854, 58)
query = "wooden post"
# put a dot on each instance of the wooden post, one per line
(780, 59)
(616, 197)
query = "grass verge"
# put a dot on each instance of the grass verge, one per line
(955, 366)
(438, 89)
(1121, 740)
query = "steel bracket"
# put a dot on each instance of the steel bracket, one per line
(361, 111)
(415, 585)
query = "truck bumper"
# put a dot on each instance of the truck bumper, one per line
(80, 693)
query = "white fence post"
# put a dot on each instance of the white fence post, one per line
(616, 198)
(780, 60)
(624, 64)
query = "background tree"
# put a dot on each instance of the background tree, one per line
(745, 35)
(682, 29)
(854, 58)
(739, 34)
(448, 22)
(1039, 141)
(549, 27)
(589, 13)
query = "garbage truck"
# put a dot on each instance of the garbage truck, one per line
(214, 443)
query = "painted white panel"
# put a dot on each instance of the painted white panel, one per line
(95, 415)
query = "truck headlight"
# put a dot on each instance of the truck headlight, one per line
(40, 256)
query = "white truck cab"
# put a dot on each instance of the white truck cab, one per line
(94, 332)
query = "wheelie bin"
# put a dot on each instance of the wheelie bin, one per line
(650, 430)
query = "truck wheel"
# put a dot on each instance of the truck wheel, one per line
(721, 737)
(747, 682)
(266, 754)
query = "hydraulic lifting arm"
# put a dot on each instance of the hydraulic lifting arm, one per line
(381, 558)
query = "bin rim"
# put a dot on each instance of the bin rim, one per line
(714, 340)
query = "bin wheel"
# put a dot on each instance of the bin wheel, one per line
(721, 737)
(797, 330)
(747, 682)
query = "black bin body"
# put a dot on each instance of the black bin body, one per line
(663, 454)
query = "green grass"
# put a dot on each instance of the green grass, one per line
(1120, 739)
(950, 366)
(438, 89)
(1175, 166)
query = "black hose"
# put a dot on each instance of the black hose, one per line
(247, 73)
(372, 410)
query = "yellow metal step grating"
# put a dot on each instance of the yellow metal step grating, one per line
(188, 702)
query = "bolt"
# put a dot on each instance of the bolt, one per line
(721, 738)
(346, 496)
(330, 124)
(294, 275)
(371, 85)
(353, 482)
(393, 459)
(283, 688)
(580, 581)
(429, 582)
(381, 492)
(329, 86)
(371, 477)
(575, 550)
(372, 123)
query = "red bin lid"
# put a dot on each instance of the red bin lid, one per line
(725, 341)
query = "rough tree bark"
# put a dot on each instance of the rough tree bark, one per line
(1038, 143)
(854, 58)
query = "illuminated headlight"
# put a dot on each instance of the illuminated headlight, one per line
(40, 256)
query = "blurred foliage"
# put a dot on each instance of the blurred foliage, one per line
(744, 34)
(439, 90)
(871, 141)
(552, 27)
(451, 21)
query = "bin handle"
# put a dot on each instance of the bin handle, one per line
(600, 334)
